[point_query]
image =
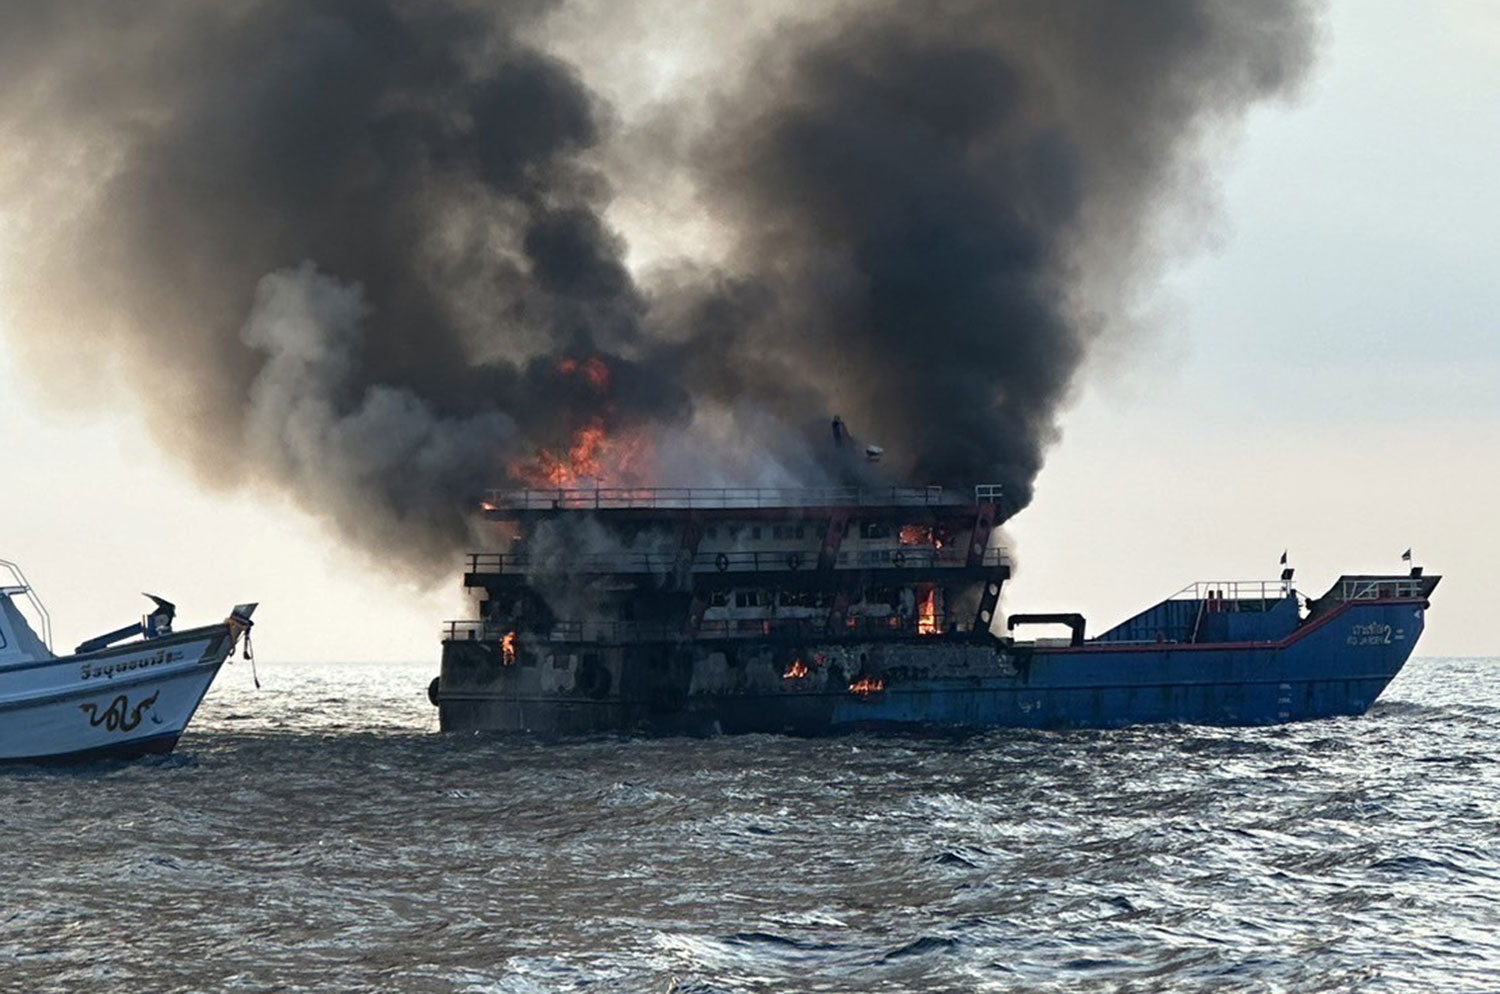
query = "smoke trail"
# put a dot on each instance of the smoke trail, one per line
(384, 201)
(924, 194)
(357, 248)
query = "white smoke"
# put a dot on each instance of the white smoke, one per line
(302, 425)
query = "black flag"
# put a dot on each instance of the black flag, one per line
(1406, 556)
(1283, 557)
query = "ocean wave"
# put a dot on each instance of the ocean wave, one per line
(271, 851)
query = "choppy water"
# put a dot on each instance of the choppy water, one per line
(317, 835)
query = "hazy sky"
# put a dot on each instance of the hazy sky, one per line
(1322, 375)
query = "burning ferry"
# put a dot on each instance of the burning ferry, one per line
(820, 610)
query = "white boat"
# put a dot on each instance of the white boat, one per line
(124, 694)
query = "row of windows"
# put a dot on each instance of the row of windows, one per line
(867, 529)
(765, 598)
(777, 531)
(874, 594)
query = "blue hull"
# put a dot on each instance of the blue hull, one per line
(1337, 665)
(1284, 666)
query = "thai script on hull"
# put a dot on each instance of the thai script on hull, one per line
(159, 658)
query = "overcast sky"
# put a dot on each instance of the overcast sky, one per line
(1322, 376)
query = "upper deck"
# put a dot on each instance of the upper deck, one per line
(796, 502)
(833, 558)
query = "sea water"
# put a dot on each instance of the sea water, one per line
(320, 835)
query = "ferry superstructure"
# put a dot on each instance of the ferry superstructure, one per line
(818, 610)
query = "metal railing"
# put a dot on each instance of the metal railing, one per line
(662, 564)
(1370, 588)
(727, 498)
(731, 628)
(24, 588)
(1235, 590)
(1358, 588)
(919, 557)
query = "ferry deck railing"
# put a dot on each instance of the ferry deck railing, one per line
(1358, 588)
(1369, 588)
(728, 498)
(1232, 592)
(737, 561)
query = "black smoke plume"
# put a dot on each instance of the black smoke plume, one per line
(920, 192)
(357, 249)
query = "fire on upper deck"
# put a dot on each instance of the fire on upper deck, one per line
(739, 562)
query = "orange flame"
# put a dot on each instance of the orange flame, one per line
(915, 535)
(796, 671)
(867, 685)
(592, 369)
(508, 648)
(927, 613)
(593, 455)
(588, 445)
(596, 372)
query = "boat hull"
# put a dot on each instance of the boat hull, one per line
(1337, 664)
(123, 702)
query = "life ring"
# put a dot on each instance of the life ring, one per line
(432, 691)
(794, 560)
(899, 559)
(721, 562)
